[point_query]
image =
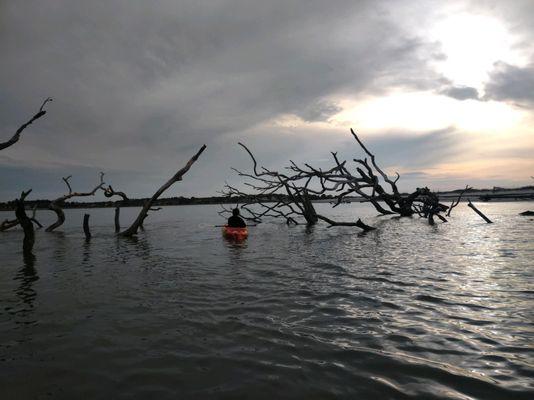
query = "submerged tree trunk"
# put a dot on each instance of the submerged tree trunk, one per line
(53, 206)
(25, 223)
(117, 219)
(8, 224)
(132, 230)
(479, 212)
(360, 224)
(457, 201)
(86, 229)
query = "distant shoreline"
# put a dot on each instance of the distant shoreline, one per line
(486, 195)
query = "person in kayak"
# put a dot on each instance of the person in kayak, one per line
(235, 221)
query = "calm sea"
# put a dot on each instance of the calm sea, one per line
(406, 311)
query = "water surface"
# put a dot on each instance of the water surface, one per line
(407, 311)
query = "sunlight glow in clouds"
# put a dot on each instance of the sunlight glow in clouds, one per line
(424, 111)
(471, 45)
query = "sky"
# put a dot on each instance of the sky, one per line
(442, 92)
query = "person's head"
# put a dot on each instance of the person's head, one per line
(235, 212)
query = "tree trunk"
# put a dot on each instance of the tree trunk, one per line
(60, 216)
(86, 229)
(117, 219)
(26, 224)
(132, 230)
(479, 212)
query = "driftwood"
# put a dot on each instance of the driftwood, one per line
(86, 229)
(8, 224)
(479, 212)
(117, 219)
(25, 223)
(57, 204)
(457, 201)
(280, 195)
(132, 230)
(15, 138)
(372, 184)
(367, 180)
(358, 223)
(110, 192)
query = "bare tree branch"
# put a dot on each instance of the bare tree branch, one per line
(132, 230)
(15, 138)
(457, 201)
(287, 195)
(57, 204)
(109, 192)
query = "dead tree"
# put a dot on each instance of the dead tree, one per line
(57, 204)
(86, 229)
(279, 195)
(457, 201)
(8, 224)
(428, 206)
(132, 230)
(480, 213)
(369, 181)
(25, 223)
(110, 192)
(15, 138)
(365, 179)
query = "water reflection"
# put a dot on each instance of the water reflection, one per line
(61, 243)
(27, 276)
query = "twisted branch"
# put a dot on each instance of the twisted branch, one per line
(57, 204)
(15, 138)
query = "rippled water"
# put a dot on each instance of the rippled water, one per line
(407, 311)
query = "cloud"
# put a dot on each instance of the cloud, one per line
(511, 83)
(320, 111)
(414, 150)
(460, 92)
(138, 87)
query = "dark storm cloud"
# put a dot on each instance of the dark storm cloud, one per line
(460, 92)
(511, 83)
(320, 111)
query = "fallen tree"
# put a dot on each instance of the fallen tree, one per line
(279, 195)
(138, 223)
(15, 138)
(57, 204)
(369, 181)
(457, 201)
(480, 213)
(366, 180)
